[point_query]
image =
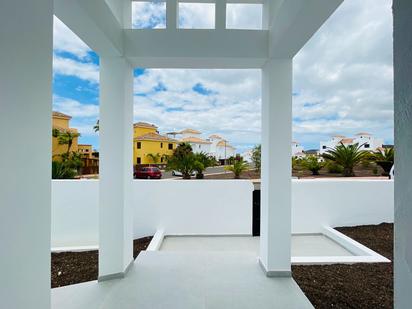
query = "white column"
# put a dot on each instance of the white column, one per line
(220, 14)
(116, 168)
(26, 50)
(275, 230)
(403, 142)
(172, 14)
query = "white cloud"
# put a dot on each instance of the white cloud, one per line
(84, 115)
(64, 40)
(84, 70)
(197, 15)
(343, 80)
(148, 15)
(346, 70)
(75, 108)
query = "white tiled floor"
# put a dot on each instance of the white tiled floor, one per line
(187, 280)
(302, 245)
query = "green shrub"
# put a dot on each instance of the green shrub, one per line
(334, 168)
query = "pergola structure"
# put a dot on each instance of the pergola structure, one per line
(26, 94)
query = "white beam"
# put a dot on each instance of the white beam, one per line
(402, 10)
(220, 15)
(293, 22)
(116, 167)
(275, 230)
(197, 48)
(94, 22)
(26, 50)
(172, 14)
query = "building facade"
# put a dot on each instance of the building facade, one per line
(61, 124)
(149, 147)
(297, 150)
(366, 140)
(214, 145)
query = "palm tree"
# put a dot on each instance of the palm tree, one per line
(155, 157)
(385, 159)
(67, 138)
(312, 164)
(256, 157)
(346, 156)
(182, 160)
(238, 167)
(96, 127)
(203, 161)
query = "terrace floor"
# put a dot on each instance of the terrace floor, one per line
(302, 245)
(192, 280)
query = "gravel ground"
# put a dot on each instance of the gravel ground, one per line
(353, 286)
(76, 267)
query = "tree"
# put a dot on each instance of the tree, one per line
(96, 127)
(155, 157)
(61, 171)
(67, 138)
(238, 167)
(257, 157)
(202, 162)
(385, 159)
(312, 164)
(346, 156)
(182, 160)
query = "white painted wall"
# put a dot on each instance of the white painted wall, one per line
(340, 202)
(221, 207)
(75, 213)
(193, 207)
(402, 12)
(26, 50)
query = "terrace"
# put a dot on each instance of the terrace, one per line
(111, 212)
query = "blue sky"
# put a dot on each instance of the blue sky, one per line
(343, 80)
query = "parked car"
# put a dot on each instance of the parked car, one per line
(179, 174)
(148, 173)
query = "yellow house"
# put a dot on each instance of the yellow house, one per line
(61, 122)
(85, 150)
(149, 146)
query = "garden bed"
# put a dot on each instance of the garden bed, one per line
(353, 286)
(76, 267)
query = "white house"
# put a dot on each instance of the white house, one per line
(220, 148)
(297, 150)
(214, 146)
(367, 142)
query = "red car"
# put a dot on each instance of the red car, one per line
(148, 173)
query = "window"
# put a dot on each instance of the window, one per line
(139, 160)
(139, 145)
(196, 15)
(244, 16)
(367, 146)
(323, 147)
(161, 145)
(170, 146)
(149, 15)
(161, 160)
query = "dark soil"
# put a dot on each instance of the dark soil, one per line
(76, 267)
(353, 286)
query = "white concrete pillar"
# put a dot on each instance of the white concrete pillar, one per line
(172, 14)
(402, 10)
(275, 230)
(116, 167)
(220, 14)
(26, 49)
